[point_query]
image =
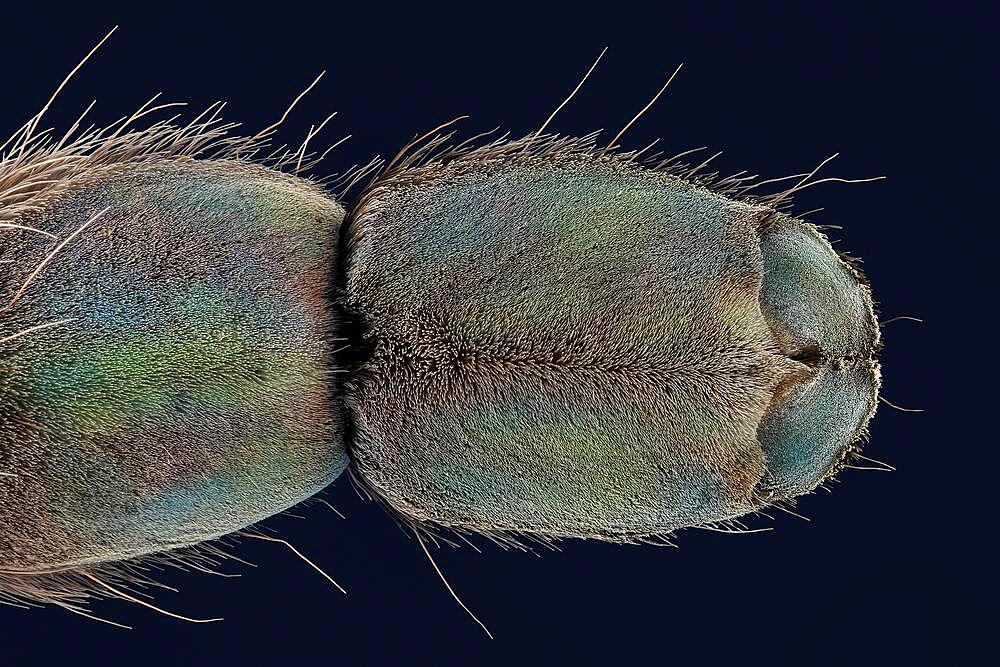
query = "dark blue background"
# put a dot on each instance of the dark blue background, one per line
(890, 565)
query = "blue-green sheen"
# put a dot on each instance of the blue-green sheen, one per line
(191, 393)
(568, 345)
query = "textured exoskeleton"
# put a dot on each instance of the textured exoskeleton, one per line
(166, 376)
(566, 343)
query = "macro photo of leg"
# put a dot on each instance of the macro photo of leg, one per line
(454, 339)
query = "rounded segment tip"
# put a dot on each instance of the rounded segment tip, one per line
(806, 434)
(813, 299)
(821, 313)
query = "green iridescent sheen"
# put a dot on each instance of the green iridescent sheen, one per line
(188, 394)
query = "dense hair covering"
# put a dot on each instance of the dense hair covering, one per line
(566, 343)
(166, 374)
